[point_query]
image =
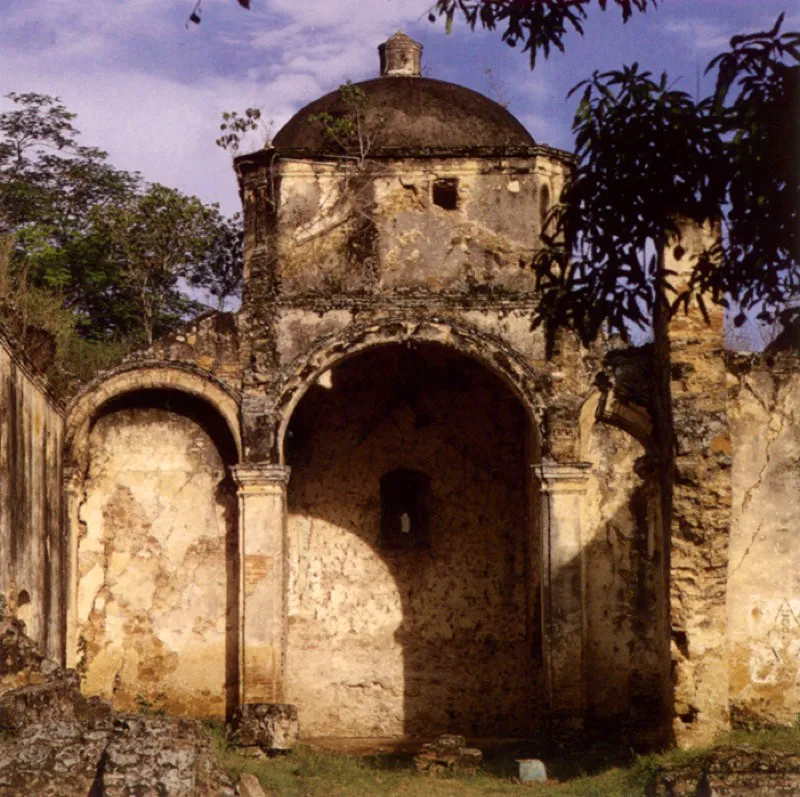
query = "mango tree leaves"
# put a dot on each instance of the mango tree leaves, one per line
(536, 24)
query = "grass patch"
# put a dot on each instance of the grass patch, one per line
(309, 772)
(779, 739)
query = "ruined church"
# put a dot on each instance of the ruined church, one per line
(372, 494)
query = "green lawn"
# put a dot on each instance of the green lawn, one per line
(308, 772)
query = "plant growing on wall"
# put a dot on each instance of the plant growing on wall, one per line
(352, 131)
(235, 128)
(349, 132)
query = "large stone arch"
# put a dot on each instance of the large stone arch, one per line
(148, 448)
(438, 625)
(488, 350)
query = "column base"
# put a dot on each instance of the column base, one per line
(270, 727)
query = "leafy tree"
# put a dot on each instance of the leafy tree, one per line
(50, 189)
(537, 24)
(46, 177)
(115, 254)
(648, 154)
(759, 266)
(219, 271)
(156, 240)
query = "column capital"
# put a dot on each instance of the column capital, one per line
(261, 475)
(562, 477)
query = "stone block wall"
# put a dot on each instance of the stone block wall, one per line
(210, 343)
(764, 555)
(31, 544)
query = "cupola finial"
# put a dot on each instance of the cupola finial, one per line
(400, 56)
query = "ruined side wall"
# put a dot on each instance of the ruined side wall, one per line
(31, 548)
(154, 554)
(625, 613)
(764, 562)
(210, 342)
(386, 642)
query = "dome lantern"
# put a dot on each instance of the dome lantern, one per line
(400, 56)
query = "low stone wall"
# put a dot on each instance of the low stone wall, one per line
(732, 772)
(54, 742)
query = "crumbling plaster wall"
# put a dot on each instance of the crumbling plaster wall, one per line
(386, 642)
(331, 248)
(157, 526)
(357, 258)
(764, 559)
(376, 228)
(31, 546)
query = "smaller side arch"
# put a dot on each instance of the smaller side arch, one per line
(143, 376)
(148, 381)
(81, 414)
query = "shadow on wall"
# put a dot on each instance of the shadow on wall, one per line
(414, 568)
(409, 608)
(157, 557)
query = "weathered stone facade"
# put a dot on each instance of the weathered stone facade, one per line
(385, 640)
(371, 494)
(763, 598)
(31, 535)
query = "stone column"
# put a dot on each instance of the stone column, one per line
(262, 532)
(696, 426)
(562, 488)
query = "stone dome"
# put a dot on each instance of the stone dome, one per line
(407, 112)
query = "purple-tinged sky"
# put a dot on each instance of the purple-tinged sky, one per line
(151, 91)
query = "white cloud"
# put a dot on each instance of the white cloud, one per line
(151, 93)
(700, 35)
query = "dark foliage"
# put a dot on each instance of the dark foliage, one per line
(536, 24)
(758, 265)
(648, 156)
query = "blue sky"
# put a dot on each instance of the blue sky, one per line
(151, 91)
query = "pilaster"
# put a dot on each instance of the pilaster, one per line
(562, 487)
(72, 485)
(262, 533)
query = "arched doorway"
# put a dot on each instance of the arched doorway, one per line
(154, 578)
(414, 568)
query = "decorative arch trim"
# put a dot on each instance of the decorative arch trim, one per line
(486, 349)
(147, 375)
